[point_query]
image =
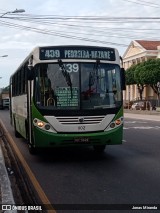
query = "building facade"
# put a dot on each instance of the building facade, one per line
(139, 51)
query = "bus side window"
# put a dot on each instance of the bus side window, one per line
(47, 93)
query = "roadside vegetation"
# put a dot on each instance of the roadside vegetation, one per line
(143, 74)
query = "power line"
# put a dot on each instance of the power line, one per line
(83, 29)
(145, 3)
(75, 18)
(77, 27)
(49, 32)
(150, 2)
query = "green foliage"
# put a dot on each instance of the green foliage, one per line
(145, 73)
(5, 89)
(140, 69)
(148, 72)
(129, 74)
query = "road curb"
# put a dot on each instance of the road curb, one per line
(42, 196)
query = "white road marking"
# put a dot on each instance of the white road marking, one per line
(134, 122)
(143, 127)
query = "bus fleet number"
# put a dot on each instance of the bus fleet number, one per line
(71, 67)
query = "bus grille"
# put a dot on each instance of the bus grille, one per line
(81, 119)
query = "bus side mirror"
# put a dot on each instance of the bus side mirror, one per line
(123, 80)
(30, 73)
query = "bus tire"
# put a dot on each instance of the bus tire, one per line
(99, 148)
(32, 150)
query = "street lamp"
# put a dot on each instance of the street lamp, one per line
(3, 56)
(18, 11)
(14, 11)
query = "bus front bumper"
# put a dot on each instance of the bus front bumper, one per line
(46, 139)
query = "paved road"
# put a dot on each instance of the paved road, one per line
(125, 174)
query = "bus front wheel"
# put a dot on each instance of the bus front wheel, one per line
(99, 148)
(32, 150)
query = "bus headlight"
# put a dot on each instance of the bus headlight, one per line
(47, 127)
(114, 124)
(43, 125)
(40, 124)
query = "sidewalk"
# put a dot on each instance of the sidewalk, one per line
(6, 195)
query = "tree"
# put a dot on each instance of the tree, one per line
(149, 73)
(5, 89)
(132, 77)
(138, 78)
(129, 75)
(144, 73)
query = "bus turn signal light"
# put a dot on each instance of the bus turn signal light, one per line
(118, 122)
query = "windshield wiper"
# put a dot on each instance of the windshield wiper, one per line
(93, 75)
(66, 75)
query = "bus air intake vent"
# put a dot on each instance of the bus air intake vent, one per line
(81, 119)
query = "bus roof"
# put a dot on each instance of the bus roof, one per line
(87, 52)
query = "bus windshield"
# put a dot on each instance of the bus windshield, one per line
(72, 85)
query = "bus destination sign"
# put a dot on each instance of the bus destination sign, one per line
(49, 53)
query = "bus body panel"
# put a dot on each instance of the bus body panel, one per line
(19, 113)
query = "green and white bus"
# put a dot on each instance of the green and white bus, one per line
(63, 96)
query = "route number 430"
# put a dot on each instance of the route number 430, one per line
(71, 67)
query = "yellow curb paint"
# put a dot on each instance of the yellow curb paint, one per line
(30, 174)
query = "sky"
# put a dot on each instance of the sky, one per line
(110, 23)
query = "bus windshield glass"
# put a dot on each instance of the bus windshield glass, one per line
(72, 85)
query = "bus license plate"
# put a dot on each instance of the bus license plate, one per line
(81, 140)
